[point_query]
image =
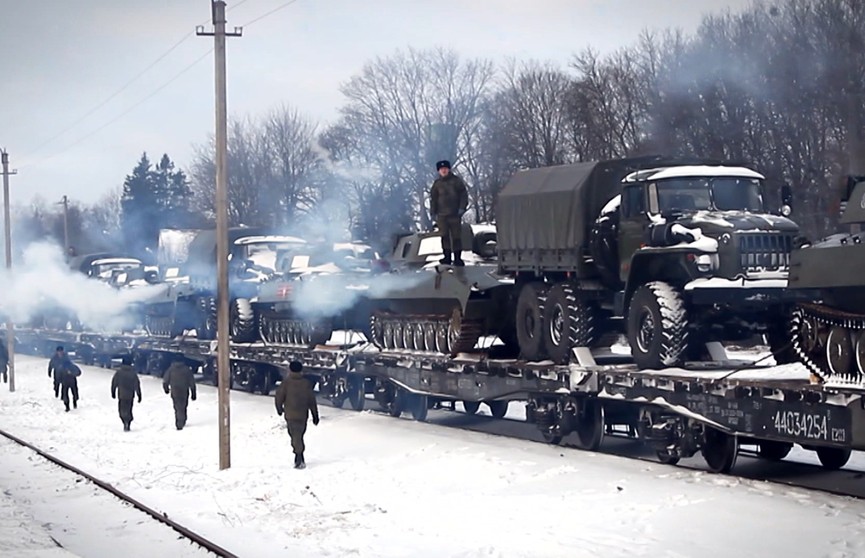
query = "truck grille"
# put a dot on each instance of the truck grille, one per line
(765, 251)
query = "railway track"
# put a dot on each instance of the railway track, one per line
(187, 533)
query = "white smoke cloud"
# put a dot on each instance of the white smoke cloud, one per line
(42, 283)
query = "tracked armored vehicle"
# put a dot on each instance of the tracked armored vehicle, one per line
(828, 334)
(319, 288)
(427, 307)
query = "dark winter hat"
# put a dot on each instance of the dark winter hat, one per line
(126, 359)
(59, 348)
(443, 164)
(295, 366)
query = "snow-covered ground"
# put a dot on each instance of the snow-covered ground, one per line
(377, 486)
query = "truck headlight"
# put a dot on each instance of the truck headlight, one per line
(705, 263)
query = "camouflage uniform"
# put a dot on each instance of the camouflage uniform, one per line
(180, 383)
(448, 202)
(296, 400)
(124, 387)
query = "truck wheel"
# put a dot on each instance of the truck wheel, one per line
(657, 326)
(568, 322)
(206, 314)
(529, 320)
(243, 326)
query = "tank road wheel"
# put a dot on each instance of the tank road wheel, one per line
(772, 450)
(357, 393)
(568, 322)
(590, 424)
(498, 408)
(833, 458)
(387, 334)
(206, 317)
(429, 336)
(657, 326)
(376, 332)
(860, 355)
(454, 328)
(720, 450)
(408, 335)
(398, 338)
(417, 334)
(530, 320)
(839, 352)
(419, 407)
(471, 407)
(243, 326)
(442, 337)
(320, 332)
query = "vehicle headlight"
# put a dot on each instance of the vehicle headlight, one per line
(726, 238)
(705, 263)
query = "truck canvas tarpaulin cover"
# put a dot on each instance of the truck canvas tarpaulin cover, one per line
(544, 216)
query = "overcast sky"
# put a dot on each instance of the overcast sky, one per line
(60, 59)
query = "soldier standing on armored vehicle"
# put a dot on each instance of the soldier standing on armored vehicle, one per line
(180, 384)
(296, 400)
(448, 202)
(124, 387)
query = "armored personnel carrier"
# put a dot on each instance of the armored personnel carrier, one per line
(427, 307)
(829, 333)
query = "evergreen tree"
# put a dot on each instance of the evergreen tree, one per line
(140, 208)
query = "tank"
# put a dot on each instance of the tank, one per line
(828, 328)
(422, 306)
(320, 288)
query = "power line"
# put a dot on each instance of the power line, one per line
(112, 96)
(271, 12)
(124, 113)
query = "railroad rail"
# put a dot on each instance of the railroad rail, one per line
(203, 542)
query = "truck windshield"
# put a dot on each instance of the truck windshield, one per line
(713, 193)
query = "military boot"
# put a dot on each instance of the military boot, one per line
(447, 259)
(297, 459)
(301, 463)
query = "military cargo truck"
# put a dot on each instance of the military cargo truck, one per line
(672, 255)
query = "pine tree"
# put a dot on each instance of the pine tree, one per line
(140, 208)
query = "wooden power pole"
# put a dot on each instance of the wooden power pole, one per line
(10, 327)
(222, 337)
(65, 203)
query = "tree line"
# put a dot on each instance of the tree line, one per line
(777, 87)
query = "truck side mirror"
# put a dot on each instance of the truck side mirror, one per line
(786, 200)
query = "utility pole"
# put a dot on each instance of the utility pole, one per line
(65, 203)
(222, 337)
(10, 327)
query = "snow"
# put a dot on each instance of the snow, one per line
(687, 171)
(700, 242)
(722, 283)
(20, 534)
(378, 486)
(612, 205)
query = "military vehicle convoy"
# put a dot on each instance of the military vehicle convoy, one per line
(829, 333)
(673, 255)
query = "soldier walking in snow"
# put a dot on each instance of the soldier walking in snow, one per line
(69, 383)
(179, 382)
(448, 202)
(296, 400)
(58, 364)
(4, 360)
(124, 387)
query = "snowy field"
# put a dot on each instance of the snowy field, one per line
(377, 486)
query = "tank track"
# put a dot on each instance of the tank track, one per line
(293, 331)
(159, 326)
(425, 334)
(811, 327)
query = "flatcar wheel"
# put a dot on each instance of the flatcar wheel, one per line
(833, 458)
(590, 424)
(471, 407)
(667, 458)
(357, 393)
(498, 408)
(419, 407)
(774, 451)
(720, 450)
(860, 354)
(397, 403)
(839, 351)
(429, 336)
